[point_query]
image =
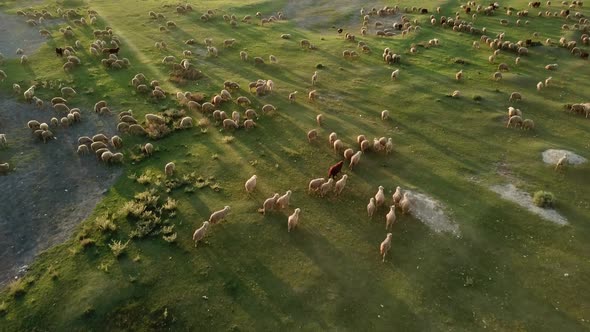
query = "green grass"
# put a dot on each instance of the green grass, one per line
(509, 270)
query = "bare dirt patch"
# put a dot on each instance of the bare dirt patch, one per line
(432, 213)
(16, 33)
(511, 193)
(551, 156)
(50, 189)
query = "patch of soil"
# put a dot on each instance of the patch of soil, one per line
(49, 189)
(16, 33)
(432, 213)
(551, 156)
(511, 193)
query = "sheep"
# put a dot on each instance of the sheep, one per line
(340, 184)
(229, 124)
(38, 102)
(292, 96)
(335, 169)
(305, 43)
(95, 146)
(552, 66)
(186, 122)
(117, 158)
(100, 138)
(61, 108)
(219, 215)
(319, 119)
(397, 196)
(248, 124)
(561, 162)
(338, 145)
(269, 204)
(116, 142)
(385, 246)
(153, 118)
(515, 96)
(528, 124)
(395, 74)
(497, 76)
(379, 197)
(326, 187)
(243, 56)
(503, 66)
(258, 60)
(283, 201)
(3, 140)
(29, 93)
(354, 160)
(272, 59)
(293, 220)
(459, 75)
(548, 80)
(200, 233)
(315, 184)
(312, 95)
(390, 218)
(243, 101)
(250, 185)
(348, 153)
(4, 168)
(516, 120)
(404, 203)
(371, 207)
(82, 149)
(148, 149)
(169, 169)
(68, 92)
(229, 42)
(3, 75)
(314, 78)
(332, 137)
(540, 86)
(384, 115)
(312, 135)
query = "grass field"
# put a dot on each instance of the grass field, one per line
(508, 270)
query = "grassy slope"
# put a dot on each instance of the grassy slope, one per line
(327, 275)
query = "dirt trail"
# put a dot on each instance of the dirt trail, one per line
(51, 189)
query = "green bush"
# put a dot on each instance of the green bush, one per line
(544, 199)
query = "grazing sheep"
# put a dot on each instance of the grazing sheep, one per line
(200, 233)
(283, 201)
(148, 149)
(340, 184)
(4, 168)
(29, 93)
(516, 120)
(3, 75)
(312, 95)
(497, 76)
(268, 108)
(385, 246)
(397, 196)
(515, 96)
(100, 138)
(83, 149)
(315, 184)
(548, 80)
(312, 135)
(116, 142)
(314, 78)
(459, 75)
(269, 204)
(272, 59)
(219, 215)
(153, 118)
(243, 56)
(258, 60)
(384, 115)
(229, 124)
(186, 122)
(319, 119)
(3, 140)
(293, 220)
(99, 105)
(332, 137)
(54, 122)
(371, 207)
(528, 124)
(348, 153)
(326, 187)
(552, 66)
(169, 169)
(251, 184)
(292, 96)
(68, 92)
(503, 66)
(539, 86)
(379, 197)
(561, 162)
(338, 145)
(61, 108)
(404, 204)
(395, 74)
(390, 218)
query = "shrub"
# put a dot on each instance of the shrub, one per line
(17, 288)
(3, 308)
(544, 199)
(104, 224)
(87, 242)
(227, 139)
(117, 247)
(170, 238)
(203, 123)
(170, 204)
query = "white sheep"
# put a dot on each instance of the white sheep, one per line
(397, 196)
(380, 197)
(404, 203)
(148, 149)
(340, 184)
(169, 169)
(3, 75)
(29, 93)
(395, 74)
(314, 78)
(292, 96)
(251, 184)
(319, 119)
(269, 204)
(315, 184)
(371, 207)
(354, 160)
(548, 80)
(68, 92)
(3, 140)
(200, 233)
(4, 168)
(293, 220)
(312, 135)
(219, 215)
(390, 218)
(283, 201)
(389, 146)
(540, 86)
(326, 187)
(561, 162)
(384, 115)
(385, 246)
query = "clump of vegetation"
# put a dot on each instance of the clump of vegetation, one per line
(148, 212)
(87, 242)
(118, 247)
(544, 199)
(157, 131)
(18, 287)
(3, 308)
(204, 123)
(105, 224)
(227, 139)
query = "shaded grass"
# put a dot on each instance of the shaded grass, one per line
(504, 272)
